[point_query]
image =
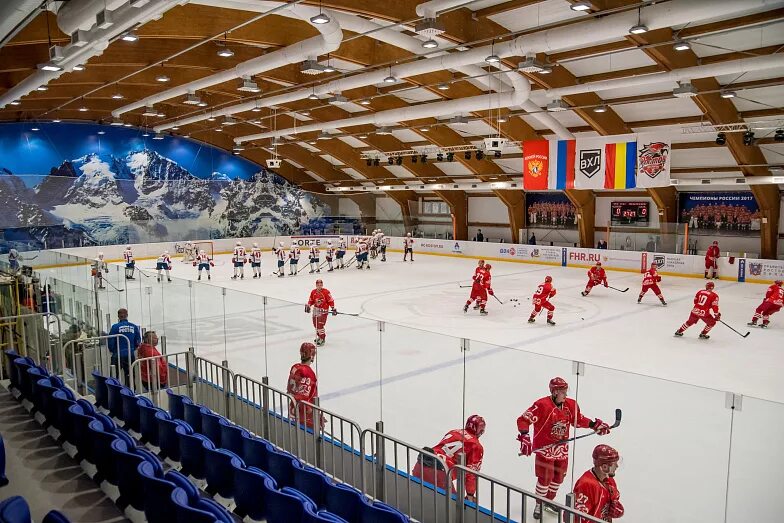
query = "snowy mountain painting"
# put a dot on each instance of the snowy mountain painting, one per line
(121, 187)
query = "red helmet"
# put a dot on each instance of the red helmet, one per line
(481, 262)
(715, 242)
(548, 279)
(558, 384)
(488, 266)
(598, 264)
(605, 455)
(307, 351)
(475, 424)
(778, 282)
(710, 285)
(653, 266)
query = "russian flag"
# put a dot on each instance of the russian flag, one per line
(620, 165)
(562, 154)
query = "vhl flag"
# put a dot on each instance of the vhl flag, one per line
(589, 163)
(653, 160)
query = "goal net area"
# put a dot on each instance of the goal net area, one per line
(189, 251)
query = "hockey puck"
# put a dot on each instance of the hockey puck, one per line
(582, 318)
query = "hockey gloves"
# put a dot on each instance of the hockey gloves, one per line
(334, 311)
(307, 309)
(717, 317)
(526, 447)
(600, 427)
(605, 284)
(491, 292)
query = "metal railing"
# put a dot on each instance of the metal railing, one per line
(330, 442)
(391, 462)
(79, 363)
(37, 357)
(265, 411)
(500, 500)
(212, 386)
(178, 365)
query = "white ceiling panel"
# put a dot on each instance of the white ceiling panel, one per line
(331, 159)
(342, 65)
(398, 171)
(353, 142)
(774, 153)
(569, 119)
(611, 62)
(764, 98)
(510, 165)
(353, 173)
(657, 109)
(314, 175)
(406, 135)
(547, 12)
(417, 95)
(533, 122)
(292, 162)
(306, 145)
(751, 76)
(623, 92)
(351, 107)
(481, 4)
(453, 168)
(740, 40)
(708, 157)
(473, 128)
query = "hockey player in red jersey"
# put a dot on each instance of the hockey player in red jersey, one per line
(454, 444)
(774, 299)
(541, 298)
(712, 260)
(480, 266)
(303, 385)
(596, 493)
(706, 308)
(321, 302)
(596, 276)
(650, 282)
(480, 288)
(551, 417)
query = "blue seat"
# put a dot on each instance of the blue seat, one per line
(3, 478)
(231, 436)
(192, 415)
(286, 506)
(114, 400)
(55, 516)
(203, 511)
(44, 389)
(211, 425)
(280, 465)
(311, 482)
(101, 391)
(40, 387)
(15, 510)
(344, 501)
(168, 440)
(20, 367)
(255, 451)
(157, 487)
(251, 486)
(322, 516)
(130, 409)
(193, 448)
(220, 465)
(378, 512)
(102, 434)
(60, 401)
(148, 422)
(177, 404)
(127, 459)
(8, 363)
(75, 431)
(33, 376)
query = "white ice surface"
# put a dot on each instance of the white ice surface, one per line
(676, 434)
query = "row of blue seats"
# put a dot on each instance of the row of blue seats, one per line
(16, 510)
(262, 481)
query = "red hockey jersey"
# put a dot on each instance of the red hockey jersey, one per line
(596, 498)
(455, 443)
(705, 301)
(321, 300)
(650, 278)
(775, 295)
(597, 274)
(551, 424)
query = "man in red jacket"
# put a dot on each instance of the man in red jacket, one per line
(320, 302)
(596, 493)
(712, 260)
(153, 371)
(303, 385)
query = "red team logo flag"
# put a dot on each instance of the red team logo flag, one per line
(536, 165)
(653, 161)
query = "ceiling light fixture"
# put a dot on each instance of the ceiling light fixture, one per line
(50, 67)
(430, 44)
(366, 101)
(328, 68)
(721, 139)
(684, 90)
(158, 136)
(639, 28)
(580, 6)
(150, 111)
(225, 52)
(117, 96)
(313, 96)
(546, 69)
(557, 106)
(162, 78)
(56, 120)
(727, 94)
(503, 119)
(83, 109)
(35, 129)
(249, 86)
(15, 102)
(600, 109)
(101, 132)
(202, 104)
(130, 36)
(681, 45)
(748, 138)
(42, 88)
(192, 99)
(78, 68)
(443, 86)
(320, 19)
(127, 125)
(779, 136)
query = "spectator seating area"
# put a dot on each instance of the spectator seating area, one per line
(187, 464)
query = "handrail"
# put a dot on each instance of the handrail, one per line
(563, 510)
(154, 385)
(35, 314)
(100, 360)
(257, 401)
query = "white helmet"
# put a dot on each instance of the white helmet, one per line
(165, 253)
(127, 247)
(189, 242)
(202, 252)
(408, 234)
(238, 244)
(255, 244)
(281, 244)
(100, 255)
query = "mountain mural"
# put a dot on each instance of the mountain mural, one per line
(138, 194)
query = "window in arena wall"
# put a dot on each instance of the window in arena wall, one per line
(435, 207)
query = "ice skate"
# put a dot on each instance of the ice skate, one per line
(764, 325)
(538, 511)
(168, 279)
(330, 270)
(242, 277)
(584, 293)
(639, 300)
(255, 276)
(531, 320)
(483, 312)
(678, 334)
(550, 509)
(311, 271)
(199, 278)
(476, 307)
(550, 322)
(752, 323)
(663, 302)
(234, 277)
(209, 277)
(704, 336)
(465, 309)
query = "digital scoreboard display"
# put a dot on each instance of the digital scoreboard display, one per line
(633, 214)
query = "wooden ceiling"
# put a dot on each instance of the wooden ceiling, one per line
(130, 68)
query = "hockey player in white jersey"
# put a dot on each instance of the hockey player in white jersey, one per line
(164, 263)
(238, 258)
(362, 253)
(315, 255)
(373, 244)
(294, 254)
(382, 245)
(189, 252)
(130, 263)
(255, 260)
(204, 263)
(98, 268)
(408, 246)
(341, 252)
(280, 255)
(330, 255)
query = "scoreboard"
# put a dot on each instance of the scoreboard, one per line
(634, 214)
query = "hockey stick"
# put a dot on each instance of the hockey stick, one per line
(352, 260)
(136, 269)
(616, 289)
(497, 298)
(113, 287)
(303, 268)
(465, 286)
(733, 330)
(347, 314)
(615, 425)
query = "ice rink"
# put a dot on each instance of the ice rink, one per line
(686, 456)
